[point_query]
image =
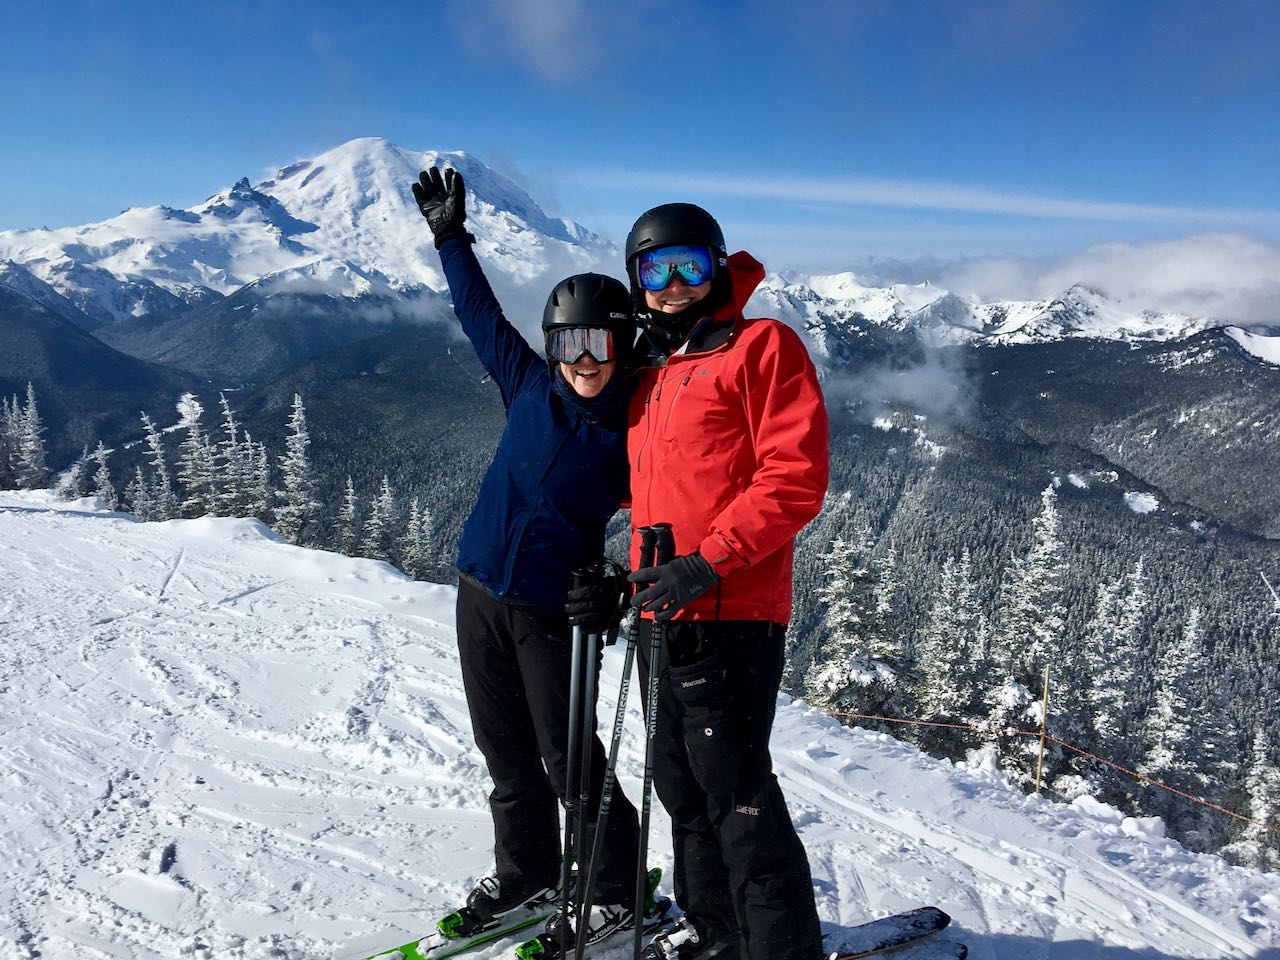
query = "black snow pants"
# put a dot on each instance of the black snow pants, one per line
(516, 663)
(740, 869)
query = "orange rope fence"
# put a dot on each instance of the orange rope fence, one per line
(1013, 731)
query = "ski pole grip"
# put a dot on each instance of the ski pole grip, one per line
(666, 543)
(581, 577)
(648, 546)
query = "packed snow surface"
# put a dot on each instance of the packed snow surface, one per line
(217, 745)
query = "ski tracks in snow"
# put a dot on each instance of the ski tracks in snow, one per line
(220, 746)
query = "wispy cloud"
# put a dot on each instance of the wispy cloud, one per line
(560, 41)
(928, 195)
(1225, 276)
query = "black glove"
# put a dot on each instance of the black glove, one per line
(596, 604)
(443, 201)
(673, 584)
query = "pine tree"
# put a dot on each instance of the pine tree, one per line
(412, 558)
(195, 461)
(10, 427)
(1114, 652)
(1031, 621)
(1258, 844)
(377, 529)
(257, 469)
(1168, 731)
(297, 505)
(73, 484)
(862, 664)
(162, 499)
(30, 468)
(949, 647)
(1032, 613)
(104, 489)
(349, 521)
(231, 477)
(138, 496)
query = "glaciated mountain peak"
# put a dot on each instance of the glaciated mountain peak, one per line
(350, 207)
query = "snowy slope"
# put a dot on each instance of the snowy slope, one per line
(1264, 347)
(346, 217)
(220, 746)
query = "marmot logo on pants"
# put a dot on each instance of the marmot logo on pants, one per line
(749, 811)
(685, 684)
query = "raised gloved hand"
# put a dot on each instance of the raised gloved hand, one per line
(597, 599)
(673, 584)
(442, 200)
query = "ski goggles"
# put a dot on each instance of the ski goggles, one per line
(571, 344)
(655, 269)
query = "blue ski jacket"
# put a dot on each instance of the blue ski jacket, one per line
(560, 470)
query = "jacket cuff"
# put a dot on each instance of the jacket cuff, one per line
(460, 235)
(720, 556)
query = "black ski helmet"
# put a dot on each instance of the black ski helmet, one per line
(591, 300)
(675, 223)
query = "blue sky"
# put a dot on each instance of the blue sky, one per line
(823, 137)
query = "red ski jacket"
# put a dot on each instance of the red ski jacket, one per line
(729, 446)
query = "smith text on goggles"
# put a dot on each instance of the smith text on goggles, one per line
(655, 269)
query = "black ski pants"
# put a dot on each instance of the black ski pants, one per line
(740, 869)
(516, 670)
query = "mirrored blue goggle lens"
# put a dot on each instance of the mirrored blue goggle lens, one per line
(569, 344)
(656, 268)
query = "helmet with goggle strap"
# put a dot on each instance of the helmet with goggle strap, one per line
(588, 313)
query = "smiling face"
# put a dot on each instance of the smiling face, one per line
(586, 376)
(675, 296)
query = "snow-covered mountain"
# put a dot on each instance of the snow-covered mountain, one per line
(221, 746)
(340, 224)
(943, 317)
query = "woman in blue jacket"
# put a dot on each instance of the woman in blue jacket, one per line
(558, 475)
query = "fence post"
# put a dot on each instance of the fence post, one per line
(1044, 722)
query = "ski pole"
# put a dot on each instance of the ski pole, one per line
(587, 732)
(647, 540)
(665, 551)
(571, 814)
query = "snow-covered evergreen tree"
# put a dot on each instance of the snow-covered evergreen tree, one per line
(1114, 651)
(138, 496)
(1179, 673)
(297, 505)
(163, 501)
(9, 430)
(257, 467)
(30, 468)
(1258, 844)
(195, 461)
(378, 528)
(861, 664)
(104, 489)
(74, 484)
(349, 521)
(1032, 614)
(1029, 635)
(412, 555)
(949, 650)
(230, 466)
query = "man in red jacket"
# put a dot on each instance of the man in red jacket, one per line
(727, 440)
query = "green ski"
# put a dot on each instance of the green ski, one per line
(449, 940)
